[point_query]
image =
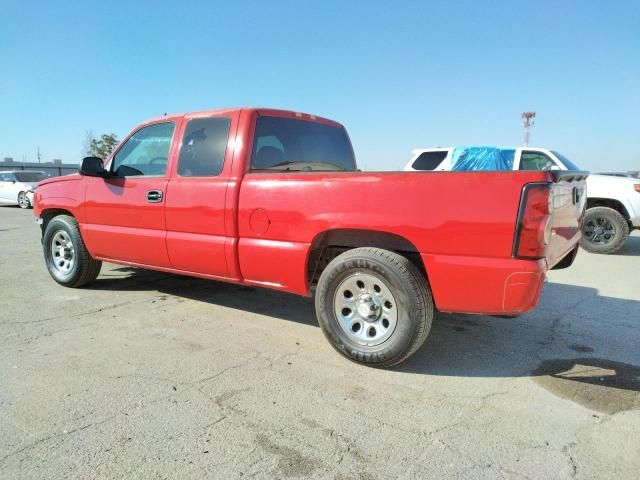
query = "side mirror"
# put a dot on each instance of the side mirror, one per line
(93, 167)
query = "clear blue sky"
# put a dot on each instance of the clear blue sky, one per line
(398, 74)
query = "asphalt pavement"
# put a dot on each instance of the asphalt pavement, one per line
(149, 375)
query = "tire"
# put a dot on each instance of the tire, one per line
(604, 230)
(23, 200)
(66, 255)
(386, 295)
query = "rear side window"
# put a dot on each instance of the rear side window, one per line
(285, 144)
(203, 147)
(429, 160)
(30, 177)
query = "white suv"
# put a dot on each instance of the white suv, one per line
(613, 203)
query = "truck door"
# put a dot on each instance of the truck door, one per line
(196, 196)
(125, 214)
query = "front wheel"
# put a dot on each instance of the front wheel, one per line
(604, 230)
(23, 200)
(65, 254)
(374, 306)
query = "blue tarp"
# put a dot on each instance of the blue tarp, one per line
(482, 158)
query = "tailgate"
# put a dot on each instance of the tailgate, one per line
(569, 193)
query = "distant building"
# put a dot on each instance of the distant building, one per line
(54, 169)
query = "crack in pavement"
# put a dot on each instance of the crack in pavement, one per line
(572, 461)
(81, 314)
(57, 435)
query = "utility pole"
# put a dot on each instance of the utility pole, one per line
(38, 154)
(527, 123)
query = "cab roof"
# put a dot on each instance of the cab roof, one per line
(264, 111)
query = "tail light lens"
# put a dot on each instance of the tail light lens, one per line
(533, 230)
(636, 187)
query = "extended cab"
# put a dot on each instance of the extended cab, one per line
(273, 198)
(613, 202)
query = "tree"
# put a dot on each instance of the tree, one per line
(89, 137)
(101, 147)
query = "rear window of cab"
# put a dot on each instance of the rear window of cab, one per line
(286, 144)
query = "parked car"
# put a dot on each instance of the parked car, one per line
(17, 187)
(613, 202)
(617, 174)
(273, 198)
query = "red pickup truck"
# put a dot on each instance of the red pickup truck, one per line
(273, 198)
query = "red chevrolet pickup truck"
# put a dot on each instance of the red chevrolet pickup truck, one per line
(273, 198)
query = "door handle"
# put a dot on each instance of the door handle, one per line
(154, 196)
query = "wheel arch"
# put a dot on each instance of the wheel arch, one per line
(330, 243)
(611, 203)
(50, 213)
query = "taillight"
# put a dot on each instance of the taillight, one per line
(636, 187)
(533, 230)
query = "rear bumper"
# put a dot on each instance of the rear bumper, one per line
(484, 285)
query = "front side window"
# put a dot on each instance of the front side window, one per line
(4, 177)
(203, 147)
(535, 161)
(567, 163)
(146, 152)
(299, 145)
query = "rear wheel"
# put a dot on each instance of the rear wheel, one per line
(23, 200)
(65, 254)
(374, 306)
(604, 230)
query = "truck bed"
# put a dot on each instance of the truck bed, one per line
(462, 224)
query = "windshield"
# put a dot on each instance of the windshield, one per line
(567, 163)
(300, 145)
(30, 177)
